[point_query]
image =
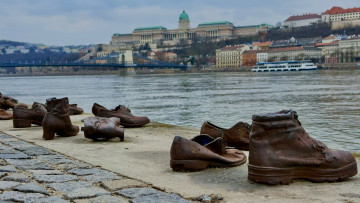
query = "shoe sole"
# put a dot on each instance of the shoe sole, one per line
(274, 176)
(127, 125)
(24, 123)
(196, 165)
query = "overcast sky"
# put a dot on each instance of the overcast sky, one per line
(75, 22)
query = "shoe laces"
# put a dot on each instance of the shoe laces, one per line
(119, 106)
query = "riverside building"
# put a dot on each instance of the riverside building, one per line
(302, 20)
(208, 30)
(340, 18)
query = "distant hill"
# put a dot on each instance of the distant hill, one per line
(318, 30)
(12, 43)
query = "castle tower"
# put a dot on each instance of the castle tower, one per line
(184, 21)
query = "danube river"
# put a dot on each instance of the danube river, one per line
(327, 101)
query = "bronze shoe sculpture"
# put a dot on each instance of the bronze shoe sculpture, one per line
(7, 102)
(201, 152)
(4, 115)
(75, 110)
(127, 119)
(24, 117)
(57, 119)
(102, 128)
(281, 150)
(236, 136)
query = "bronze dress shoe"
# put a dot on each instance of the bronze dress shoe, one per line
(236, 136)
(102, 128)
(281, 150)
(4, 115)
(201, 152)
(57, 119)
(127, 119)
(24, 117)
(7, 102)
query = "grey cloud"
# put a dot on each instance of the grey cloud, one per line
(62, 22)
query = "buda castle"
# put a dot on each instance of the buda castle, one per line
(208, 30)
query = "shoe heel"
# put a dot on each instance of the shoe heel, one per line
(21, 123)
(188, 165)
(48, 134)
(268, 175)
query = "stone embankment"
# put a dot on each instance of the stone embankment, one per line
(76, 169)
(30, 173)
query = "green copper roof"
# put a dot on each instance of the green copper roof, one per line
(215, 23)
(150, 28)
(184, 16)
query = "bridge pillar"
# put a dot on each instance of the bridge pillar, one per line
(126, 71)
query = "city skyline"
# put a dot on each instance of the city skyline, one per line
(92, 22)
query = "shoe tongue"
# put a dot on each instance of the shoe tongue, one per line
(121, 107)
(117, 108)
(216, 145)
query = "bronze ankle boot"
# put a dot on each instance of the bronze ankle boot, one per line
(24, 117)
(236, 136)
(102, 128)
(281, 150)
(57, 119)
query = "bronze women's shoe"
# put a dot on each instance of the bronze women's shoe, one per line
(102, 128)
(7, 102)
(75, 110)
(24, 117)
(281, 150)
(4, 115)
(201, 152)
(126, 118)
(236, 136)
(57, 119)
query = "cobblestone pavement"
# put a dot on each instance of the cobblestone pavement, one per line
(30, 173)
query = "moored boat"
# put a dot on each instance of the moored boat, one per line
(284, 66)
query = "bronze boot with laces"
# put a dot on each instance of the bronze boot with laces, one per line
(281, 150)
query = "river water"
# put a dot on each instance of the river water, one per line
(327, 101)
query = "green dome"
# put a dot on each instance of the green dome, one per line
(184, 16)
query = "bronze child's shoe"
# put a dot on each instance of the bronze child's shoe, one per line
(57, 119)
(127, 119)
(201, 152)
(24, 117)
(4, 115)
(102, 128)
(281, 150)
(236, 136)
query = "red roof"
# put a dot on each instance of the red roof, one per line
(339, 10)
(303, 17)
(329, 37)
(327, 44)
(260, 44)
